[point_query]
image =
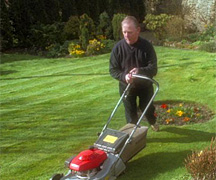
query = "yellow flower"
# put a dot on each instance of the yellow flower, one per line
(200, 153)
(180, 105)
(197, 115)
(169, 110)
(179, 113)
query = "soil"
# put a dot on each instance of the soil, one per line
(192, 113)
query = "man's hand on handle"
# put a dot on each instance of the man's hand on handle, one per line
(128, 77)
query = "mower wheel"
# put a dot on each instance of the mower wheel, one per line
(57, 177)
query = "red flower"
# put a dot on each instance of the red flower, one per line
(164, 106)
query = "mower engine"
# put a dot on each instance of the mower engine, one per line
(87, 163)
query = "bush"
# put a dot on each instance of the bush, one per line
(209, 33)
(202, 165)
(87, 29)
(116, 25)
(95, 47)
(75, 49)
(175, 28)
(71, 28)
(46, 35)
(208, 46)
(109, 44)
(57, 50)
(105, 25)
(157, 24)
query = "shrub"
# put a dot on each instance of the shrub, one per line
(87, 29)
(84, 37)
(71, 28)
(175, 28)
(202, 165)
(157, 24)
(209, 33)
(208, 46)
(116, 25)
(75, 49)
(105, 25)
(57, 50)
(94, 47)
(46, 35)
(109, 44)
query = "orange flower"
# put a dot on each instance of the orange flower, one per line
(186, 119)
(167, 121)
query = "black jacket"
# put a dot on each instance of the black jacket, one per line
(125, 57)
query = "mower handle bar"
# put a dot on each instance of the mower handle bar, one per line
(124, 95)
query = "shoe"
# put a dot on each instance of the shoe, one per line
(155, 127)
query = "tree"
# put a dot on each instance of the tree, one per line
(105, 25)
(124, 7)
(87, 29)
(67, 8)
(116, 24)
(71, 28)
(94, 11)
(138, 9)
(52, 9)
(21, 21)
(82, 7)
(6, 38)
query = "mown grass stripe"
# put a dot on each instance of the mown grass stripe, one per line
(58, 85)
(56, 116)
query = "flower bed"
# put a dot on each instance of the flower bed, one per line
(180, 113)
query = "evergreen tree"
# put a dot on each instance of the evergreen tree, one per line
(87, 29)
(124, 7)
(141, 10)
(138, 9)
(21, 21)
(116, 24)
(103, 6)
(71, 28)
(37, 12)
(94, 10)
(82, 7)
(68, 8)
(52, 9)
(6, 38)
(116, 6)
(105, 25)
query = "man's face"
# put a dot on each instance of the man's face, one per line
(130, 32)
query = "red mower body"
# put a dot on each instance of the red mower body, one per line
(88, 159)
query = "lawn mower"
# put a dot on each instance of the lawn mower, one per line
(107, 158)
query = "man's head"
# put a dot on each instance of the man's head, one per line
(130, 29)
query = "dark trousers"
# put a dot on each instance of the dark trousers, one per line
(138, 97)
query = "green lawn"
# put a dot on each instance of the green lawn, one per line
(53, 108)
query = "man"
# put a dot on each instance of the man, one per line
(134, 55)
